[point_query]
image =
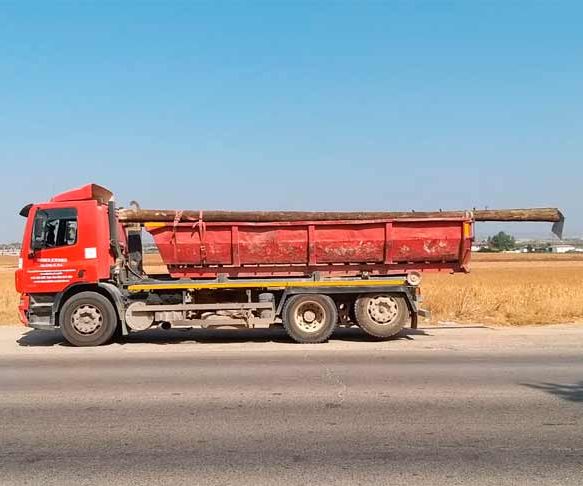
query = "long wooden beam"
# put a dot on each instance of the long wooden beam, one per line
(134, 215)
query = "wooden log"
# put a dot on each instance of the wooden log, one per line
(550, 215)
(134, 215)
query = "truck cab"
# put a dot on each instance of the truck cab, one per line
(65, 247)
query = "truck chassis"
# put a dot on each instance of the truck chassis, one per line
(308, 309)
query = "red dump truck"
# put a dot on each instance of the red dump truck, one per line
(81, 267)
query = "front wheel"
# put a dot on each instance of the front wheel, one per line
(381, 315)
(88, 319)
(310, 318)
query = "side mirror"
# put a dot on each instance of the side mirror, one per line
(38, 233)
(34, 247)
(37, 245)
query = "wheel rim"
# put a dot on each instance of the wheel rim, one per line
(310, 316)
(87, 319)
(383, 309)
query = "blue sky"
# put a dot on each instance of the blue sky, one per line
(294, 105)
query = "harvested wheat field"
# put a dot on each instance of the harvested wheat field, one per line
(502, 289)
(495, 293)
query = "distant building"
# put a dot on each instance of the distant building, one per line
(563, 248)
(479, 245)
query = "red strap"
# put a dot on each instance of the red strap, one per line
(177, 218)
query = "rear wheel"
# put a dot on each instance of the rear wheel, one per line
(88, 319)
(381, 315)
(310, 318)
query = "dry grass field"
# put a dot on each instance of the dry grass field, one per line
(8, 296)
(502, 289)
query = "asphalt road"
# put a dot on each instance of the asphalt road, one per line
(440, 406)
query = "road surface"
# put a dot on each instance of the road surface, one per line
(449, 405)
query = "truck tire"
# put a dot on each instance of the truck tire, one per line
(88, 319)
(310, 318)
(381, 315)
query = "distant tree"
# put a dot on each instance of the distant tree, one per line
(502, 242)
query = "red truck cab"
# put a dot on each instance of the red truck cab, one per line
(66, 243)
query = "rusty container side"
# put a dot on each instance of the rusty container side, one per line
(299, 248)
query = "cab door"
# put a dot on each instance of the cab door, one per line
(56, 257)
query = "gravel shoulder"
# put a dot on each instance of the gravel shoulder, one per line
(22, 341)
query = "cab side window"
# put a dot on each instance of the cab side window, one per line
(55, 227)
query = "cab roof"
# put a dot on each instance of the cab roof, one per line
(84, 193)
